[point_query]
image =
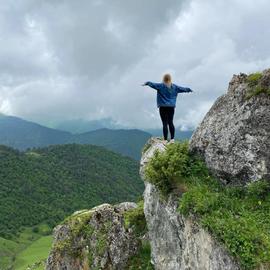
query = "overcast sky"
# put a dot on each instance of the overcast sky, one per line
(66, 59)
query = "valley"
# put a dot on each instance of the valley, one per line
(44, 185)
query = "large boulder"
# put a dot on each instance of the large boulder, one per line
(94, 239)
(234, 136)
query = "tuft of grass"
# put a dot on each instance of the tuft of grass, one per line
(254, 78)
(38, 251)
(142, 260)
(79, 229)
(255, 87)
(101, 242)
(146, 147)
(8, 250)
(239, 217)
(257, 90)
(135, 219)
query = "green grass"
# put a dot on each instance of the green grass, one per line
(254, 78)
(11, 249)
(255, 87)
(37, 251)
(135, 219)
(8, 249)
(142, 260)
(239, 217)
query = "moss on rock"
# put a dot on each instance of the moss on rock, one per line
(142, 260)
(98, 238)
(135, 219)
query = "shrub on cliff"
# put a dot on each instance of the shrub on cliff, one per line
(135, 220)
(239, 217)
(169, 169)
(254, 83)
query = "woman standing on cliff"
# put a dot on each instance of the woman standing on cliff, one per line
(166, 101)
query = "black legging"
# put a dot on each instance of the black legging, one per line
(166, 115)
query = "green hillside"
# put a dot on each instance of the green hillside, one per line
(31, 246)
(45, 185)
(35, 254)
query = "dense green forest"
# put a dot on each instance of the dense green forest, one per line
(45, 185)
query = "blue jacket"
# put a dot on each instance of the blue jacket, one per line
(166, 97)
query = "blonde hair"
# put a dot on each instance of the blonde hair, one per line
(167, 78)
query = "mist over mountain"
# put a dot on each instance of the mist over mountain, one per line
(128, 142)
(81, 125)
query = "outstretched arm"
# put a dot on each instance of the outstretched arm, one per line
(156, 86)
(181, 89)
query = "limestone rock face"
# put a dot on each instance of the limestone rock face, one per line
(178, 243)
(93, 239)
(234, 136)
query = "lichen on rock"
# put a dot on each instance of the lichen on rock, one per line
(94, 239)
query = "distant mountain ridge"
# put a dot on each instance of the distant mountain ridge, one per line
(78, 126)
(21, 134)
(127, 142)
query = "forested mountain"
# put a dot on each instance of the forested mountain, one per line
(21, 134)
(47, 184)
(78, 126)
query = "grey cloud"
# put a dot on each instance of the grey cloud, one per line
(86, 59)
(91, 37)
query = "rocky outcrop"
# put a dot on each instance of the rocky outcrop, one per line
(234, 141)
(94, 239)
(234, 136)
(178, 243)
